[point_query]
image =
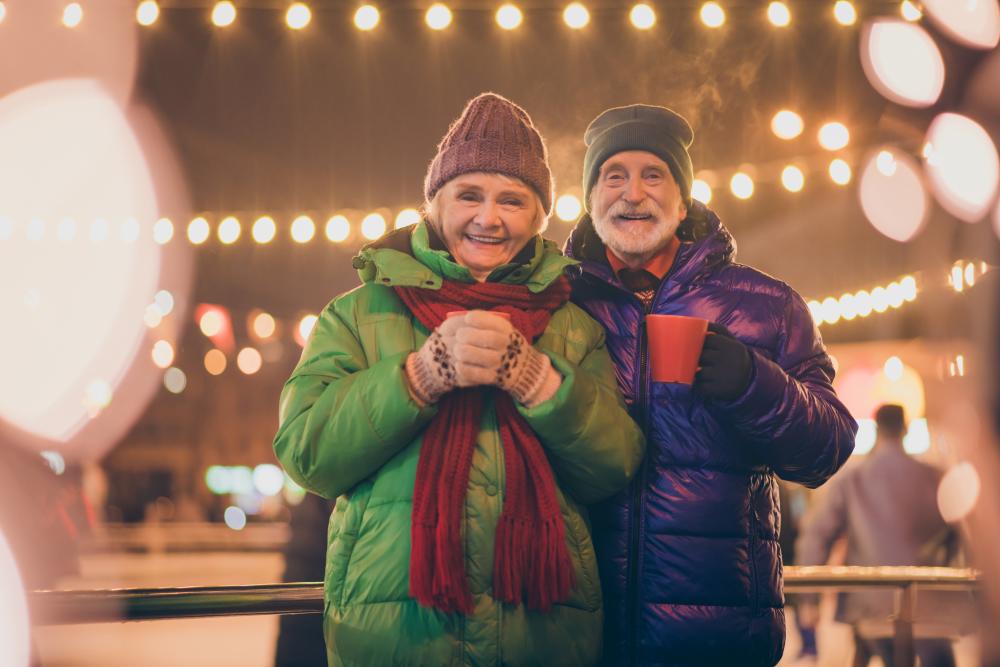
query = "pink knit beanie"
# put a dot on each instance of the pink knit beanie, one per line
(492, 135)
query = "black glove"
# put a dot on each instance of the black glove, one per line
(725, 365)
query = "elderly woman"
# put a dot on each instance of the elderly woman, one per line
(465, 412)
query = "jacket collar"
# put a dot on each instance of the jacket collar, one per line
(415, 257)
(705, 244)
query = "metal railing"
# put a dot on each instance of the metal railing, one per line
(145, 604)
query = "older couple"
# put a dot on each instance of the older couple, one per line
(499, 501)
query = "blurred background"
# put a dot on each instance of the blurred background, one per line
(183, 185)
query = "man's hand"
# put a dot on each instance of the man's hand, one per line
(724, 365)
(488, 350)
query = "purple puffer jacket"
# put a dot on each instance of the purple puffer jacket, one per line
(689, 556)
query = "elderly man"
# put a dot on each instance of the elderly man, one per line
(689, 553)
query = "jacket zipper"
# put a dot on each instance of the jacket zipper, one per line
(635, 516)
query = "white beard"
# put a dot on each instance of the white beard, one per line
(636, 241)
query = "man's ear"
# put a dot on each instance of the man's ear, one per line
(682, 209)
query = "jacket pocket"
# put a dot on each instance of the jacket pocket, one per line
(586, 593)
(345, 525)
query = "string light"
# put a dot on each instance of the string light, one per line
(438, 17)
(910, 11)
(840, 172)
(215, 361)
(701, 191)
(778, 14)
(338, 228)
(303, 229)
(792, 178)
(147, 12)
(576, 16)
(298, 16)
(163, 231)
(407, 217)
(366, 18)
(197, 231)
(834, 136)
(568, 208)
(786, 124)
(713, 15)
(845, 13)
(229, 230)
(509, 17)
(864, 303)
(163, 354)
(373, 226)
(642, 16)
(264, 230)
(223, 14)
(72, 15)
(741, 185)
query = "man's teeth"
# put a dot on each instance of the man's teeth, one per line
(485, 239)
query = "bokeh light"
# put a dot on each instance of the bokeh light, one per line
(264, 229)
(268, 479)
(147, 12)
(198, 231)
(407, 217)
(712, 14)
(893, 196)
(958, 492)
(373, 226)
(833, 136)
(235, 518)
(164, 301)
(910, 11)
(298, 16)
(305, 328)
(642, 16)
(249, 360)
(568, 208)
(961, 161)
(72, 15)
(845, 13)
(228, 230)
(366, 17)
(303, 229)
(223, 14)
(840, 171)
(264, 325)
(973, 23)
(338, 228)
(741, 185)
(786, 124)
(576, 16)
(162, 353)
(701, 191)
(211, 322)
(129, 230)
(163, 231)
(66, 230)
(778, 14)
(174, 380)
(893, 368)
(438, 16)
(902, 62)
(509, 17)
(215, 361)
(792, 178)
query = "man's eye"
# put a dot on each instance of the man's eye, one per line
(511, 202)
(468, 196)
(614, 178)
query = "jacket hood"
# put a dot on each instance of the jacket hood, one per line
(415, 257)
(705, 244)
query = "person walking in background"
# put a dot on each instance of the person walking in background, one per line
(689, 553)
(465, 412)
(886, 508)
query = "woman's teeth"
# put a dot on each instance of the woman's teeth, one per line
(485, 239)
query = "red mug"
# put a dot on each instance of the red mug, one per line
(453, 313)
(675, 343)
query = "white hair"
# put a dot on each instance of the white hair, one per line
(432, 208)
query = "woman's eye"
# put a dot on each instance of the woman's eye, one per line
(614, 178)
(511, 202)
(468, 196)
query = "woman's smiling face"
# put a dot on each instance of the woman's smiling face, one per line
(486, 219)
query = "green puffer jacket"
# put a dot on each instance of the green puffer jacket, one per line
(350, 429)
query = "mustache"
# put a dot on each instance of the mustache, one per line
(646, 207)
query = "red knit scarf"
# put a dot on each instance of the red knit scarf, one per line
(531, 562)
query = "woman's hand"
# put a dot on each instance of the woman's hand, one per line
(488, 350)
(430, 371)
